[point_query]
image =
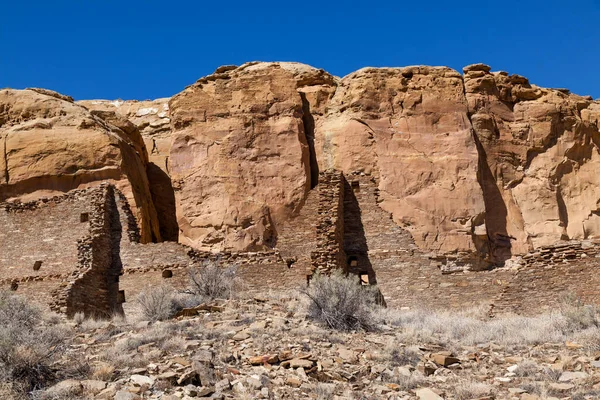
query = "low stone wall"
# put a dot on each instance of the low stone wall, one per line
(561, 253)
(329, 254)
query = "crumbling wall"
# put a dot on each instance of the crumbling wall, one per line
(329, 254)
(38, 242)
(93, 287)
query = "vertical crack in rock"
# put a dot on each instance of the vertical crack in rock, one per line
(496, 213)
(6, 178)
(563, 215)
(309, 131)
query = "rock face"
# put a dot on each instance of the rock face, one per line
(51, 144)
(483, 163)
(152, 119)
(539, 158)
(240, 160)
(409, 128)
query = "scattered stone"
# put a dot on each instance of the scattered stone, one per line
(427, 394)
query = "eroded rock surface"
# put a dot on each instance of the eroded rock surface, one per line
(483, 163)
(51, 144)
(152, 119)
(408, 128)
(539, 161)
(240, 159)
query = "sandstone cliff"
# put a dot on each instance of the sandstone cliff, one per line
(240, 161)
(151, 118)
(50, 144)
(483, 163)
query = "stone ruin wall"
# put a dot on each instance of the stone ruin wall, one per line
(98, 259)
(329, 254)
(38, 242)
(93, 286)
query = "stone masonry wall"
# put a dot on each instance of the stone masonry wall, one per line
(329, 253)
(93, 287)
(38, 242)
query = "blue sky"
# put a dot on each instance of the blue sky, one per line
(133, 49)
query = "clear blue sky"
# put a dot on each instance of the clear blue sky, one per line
(133, 49)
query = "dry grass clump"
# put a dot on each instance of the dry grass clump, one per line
(28, 346)
(212, 281)
(474, 327)
(341, 302)
(472, 390)
(408, 382)
(527, 368)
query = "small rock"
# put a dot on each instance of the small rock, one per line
(222, 385)
(93, 386)
(427, 394)
(125, 395)
(293, 381)
(300, 363)
(141, 380)
(568, 376)
(561, 387)
(242, 335)
(444, 359)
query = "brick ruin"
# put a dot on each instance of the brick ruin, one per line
(81, 252)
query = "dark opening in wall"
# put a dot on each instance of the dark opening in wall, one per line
(355, 186)
(290, 262)
(353, 261)
(37, 265)
(167, 273)
(84, 217)
(121, 297)
(14, 286)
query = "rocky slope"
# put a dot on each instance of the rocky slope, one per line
(266, 348)
(484, 163)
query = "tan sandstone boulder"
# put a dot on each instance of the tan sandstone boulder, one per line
(51, 144)
(240, 160)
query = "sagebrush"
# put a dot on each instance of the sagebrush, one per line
(28, 346)
(212, 281)
(340, 302)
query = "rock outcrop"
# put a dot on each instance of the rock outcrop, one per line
(241, 159)
(539, 157)
(482, 164)
(409, 129)
(50, 144)
(152, 119)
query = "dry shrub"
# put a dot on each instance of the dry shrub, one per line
(28, 347)
(103, 371)
(157, 303)
(409, 382)
(527, 368)
(471, 390)
(341, 302)
(212, 281)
